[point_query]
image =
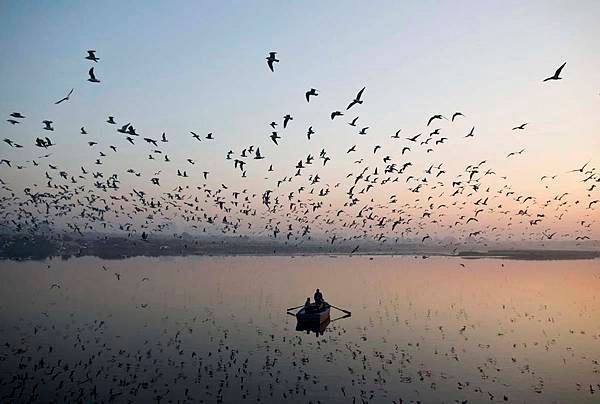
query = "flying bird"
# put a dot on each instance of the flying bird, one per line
(272, 59)
(124, 128)
(414, 138)
(515, 153)
(92, 56)
(356, 99)
(435, 117)
(274, 138)
(335, 113)
(580, 169)
(310, 92)
(48, 125)
(92, 78)
(64, 98)
(556, 75)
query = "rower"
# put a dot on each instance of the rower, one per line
(318, 298)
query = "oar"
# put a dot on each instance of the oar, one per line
(345, 311)
(294, 308)
(340, 318)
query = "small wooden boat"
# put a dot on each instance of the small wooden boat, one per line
(312, 314)
(317, 328)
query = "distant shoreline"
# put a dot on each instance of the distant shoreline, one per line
(40, 248)
(533, 255)
(519, 255)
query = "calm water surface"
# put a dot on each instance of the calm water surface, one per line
(214, 329)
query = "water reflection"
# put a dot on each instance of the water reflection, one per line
(215, 330)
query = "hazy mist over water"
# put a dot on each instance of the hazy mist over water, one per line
(216, 328)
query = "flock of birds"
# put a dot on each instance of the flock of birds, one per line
(87, 361)
(424, 203)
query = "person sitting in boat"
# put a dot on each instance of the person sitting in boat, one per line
(318, 298)
(307, 303)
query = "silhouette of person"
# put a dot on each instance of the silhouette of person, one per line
(307, 303)
(318, 298)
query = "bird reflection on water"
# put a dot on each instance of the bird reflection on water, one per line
(193, 329)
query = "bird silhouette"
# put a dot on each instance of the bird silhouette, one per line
(48, 125)
(434, 117)
(335, 113)
(456, 114)
(92, 77)
(311, 92)
(357, 99)
(66, 98)
(92, 56)
(272, 59)
(556, 75)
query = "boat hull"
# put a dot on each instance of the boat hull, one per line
(306, 316)
(317, 328)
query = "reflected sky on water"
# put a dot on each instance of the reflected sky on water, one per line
(215, 329)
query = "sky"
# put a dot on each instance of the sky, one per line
(177, 67)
